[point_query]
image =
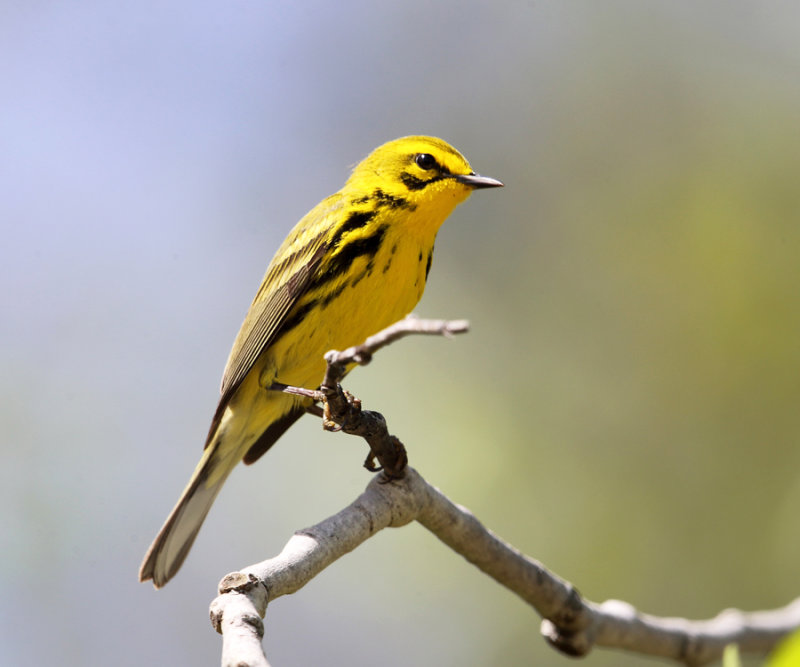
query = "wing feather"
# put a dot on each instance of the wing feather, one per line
(288, 276)
(264, 320)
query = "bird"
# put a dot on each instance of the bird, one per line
(356, 263)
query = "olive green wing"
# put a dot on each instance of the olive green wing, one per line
(267, 312)
(287, 279)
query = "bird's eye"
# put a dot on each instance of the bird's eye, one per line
(425, 161)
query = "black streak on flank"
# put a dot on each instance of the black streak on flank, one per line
(333, 294)
(342, 260)
(391, 256)
(428, 264)
(297, 316)
(416, 282)
(366, 272)
(355, 220)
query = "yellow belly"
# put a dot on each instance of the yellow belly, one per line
(373, 294)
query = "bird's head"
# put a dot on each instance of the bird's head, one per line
(419, 172)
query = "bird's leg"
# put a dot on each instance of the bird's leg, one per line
(342, 412)
(340, 409)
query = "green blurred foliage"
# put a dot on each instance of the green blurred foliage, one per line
(787, 653)
(625, 408)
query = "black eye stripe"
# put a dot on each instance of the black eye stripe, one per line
(414, 183)
(429, 164)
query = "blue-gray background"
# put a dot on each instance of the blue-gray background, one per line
(625, 408)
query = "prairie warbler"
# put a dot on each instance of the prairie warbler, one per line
(357, 262)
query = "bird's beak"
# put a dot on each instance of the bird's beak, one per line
(476, 181)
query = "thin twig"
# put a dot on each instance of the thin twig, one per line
(411, 325)
(342, 411)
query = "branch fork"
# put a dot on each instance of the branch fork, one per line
(341, 411)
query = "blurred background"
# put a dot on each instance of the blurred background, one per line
(625, 408)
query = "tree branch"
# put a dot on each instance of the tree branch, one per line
(572, 624)
(342, 411)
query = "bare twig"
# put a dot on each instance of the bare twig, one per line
(362, 354)
(572, 624)
(342, 411)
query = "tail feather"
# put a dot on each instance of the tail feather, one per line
(172, 544)
(232, 437)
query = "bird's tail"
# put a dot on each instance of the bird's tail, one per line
(178, 533)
